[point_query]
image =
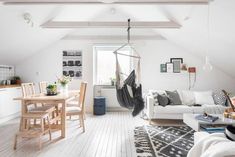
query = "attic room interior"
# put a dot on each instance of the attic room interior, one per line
(117, 78)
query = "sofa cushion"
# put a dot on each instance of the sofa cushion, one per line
(163, 100)
(187, 97)
(174, 97)
(154, 94)
(204, 98)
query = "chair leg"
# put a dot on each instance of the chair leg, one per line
(21, 123)
(80, 121)
(83, 125)
(15, 142)
(49, 126)
(84, 115)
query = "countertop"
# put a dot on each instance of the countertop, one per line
(9, 86)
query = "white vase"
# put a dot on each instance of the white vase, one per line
(64, 88)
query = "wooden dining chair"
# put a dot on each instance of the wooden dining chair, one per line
(28, 89)
(79, 109)
(33, 132)
(35, 113)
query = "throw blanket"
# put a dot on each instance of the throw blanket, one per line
(214, 145)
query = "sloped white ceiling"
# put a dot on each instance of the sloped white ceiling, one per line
(18, 40)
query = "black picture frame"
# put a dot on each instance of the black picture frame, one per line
(181, 59)
(177, 62)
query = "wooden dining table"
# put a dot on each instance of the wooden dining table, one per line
(61, 98)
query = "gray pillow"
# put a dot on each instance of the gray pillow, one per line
(163, 100)
(174, 97)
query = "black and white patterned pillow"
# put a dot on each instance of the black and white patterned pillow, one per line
(155, 94)
(219, 98)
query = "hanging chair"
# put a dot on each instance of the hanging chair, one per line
(129, 90)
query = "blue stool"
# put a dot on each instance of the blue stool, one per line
(99, 106)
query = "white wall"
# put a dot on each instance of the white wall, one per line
(155, 53)
(47, 64)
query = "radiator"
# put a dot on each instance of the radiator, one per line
(111, 99)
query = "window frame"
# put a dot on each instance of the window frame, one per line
(108, 47)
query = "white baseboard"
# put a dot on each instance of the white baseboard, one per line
(10, 117)
(116, 109)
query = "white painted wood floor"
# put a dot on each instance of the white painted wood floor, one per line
(110, 135)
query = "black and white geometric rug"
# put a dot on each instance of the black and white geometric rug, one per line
(163, 141)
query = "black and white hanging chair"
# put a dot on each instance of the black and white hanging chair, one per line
(129, 89)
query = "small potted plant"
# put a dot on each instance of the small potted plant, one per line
(17, 80)
(113, 80)
(51, 89)
(64, 81)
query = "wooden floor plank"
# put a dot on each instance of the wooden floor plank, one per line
(110, 135)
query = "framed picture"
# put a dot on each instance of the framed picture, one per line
(163, 68)
(169, 67)
(72, 63)
(181, 59)
(177, 64)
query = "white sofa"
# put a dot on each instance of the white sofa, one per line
(155, 111)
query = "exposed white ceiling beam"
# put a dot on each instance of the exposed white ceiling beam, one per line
(134, 24)
(98, 2)
(113, 37)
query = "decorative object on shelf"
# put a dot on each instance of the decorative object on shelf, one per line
(72, 63)
(64, 81)
(176, 64)
(17, 79)
(52, 90)
(184, 67)
(169, 67)
(163, 68)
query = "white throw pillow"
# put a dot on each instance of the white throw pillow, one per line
(187, 97)
(204, 98)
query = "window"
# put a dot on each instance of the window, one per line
(105, 63)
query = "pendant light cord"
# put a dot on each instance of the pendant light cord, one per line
(208, 28)
(128, 31)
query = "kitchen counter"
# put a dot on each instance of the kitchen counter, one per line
(9, 86)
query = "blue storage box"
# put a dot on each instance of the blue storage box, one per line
(99, 106)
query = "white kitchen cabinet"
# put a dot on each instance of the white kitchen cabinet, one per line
(9, 108)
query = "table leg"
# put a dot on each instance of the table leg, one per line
(63, 120)
(23, 111)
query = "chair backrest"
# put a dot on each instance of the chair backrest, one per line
(43, 87)
(27, 89)
(82, 95)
